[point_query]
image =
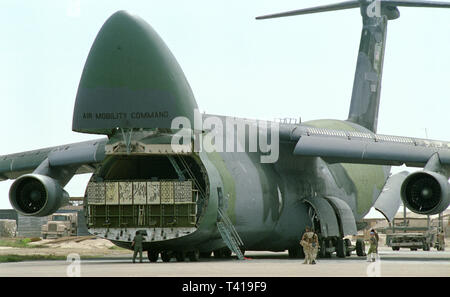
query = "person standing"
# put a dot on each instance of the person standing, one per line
(137, 246)
(310, 244)
(373, 248)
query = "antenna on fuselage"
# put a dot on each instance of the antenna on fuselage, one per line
(367, 83)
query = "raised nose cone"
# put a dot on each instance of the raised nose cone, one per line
(130, 80)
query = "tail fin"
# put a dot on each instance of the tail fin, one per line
(367, 84)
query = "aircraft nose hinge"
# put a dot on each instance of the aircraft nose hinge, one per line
(127, 138)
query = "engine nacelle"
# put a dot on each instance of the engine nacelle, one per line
(37, 195)
(426, 192)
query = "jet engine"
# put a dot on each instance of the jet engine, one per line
(37, 195)
(426, 192)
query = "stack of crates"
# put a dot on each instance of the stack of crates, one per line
(132, 204)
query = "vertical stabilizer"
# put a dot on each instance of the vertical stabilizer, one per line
(367, 84)
(369, 66)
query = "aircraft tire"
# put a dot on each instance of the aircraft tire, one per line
(222, 253)
(348, 244)
(180, 256)
(296, 253)
(165, 256)
(242, 251)
(152, 256)
(194, 256)
(340, 248)
(205, 254)
(226, 252)
(292, 253)
(322, 252)
(218, 254)
(360, 248)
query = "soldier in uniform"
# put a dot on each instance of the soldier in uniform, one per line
(441, 241)
(310, 244)
(137, 245)
(373, 249)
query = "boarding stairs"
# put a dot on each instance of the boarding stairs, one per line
(230, 235)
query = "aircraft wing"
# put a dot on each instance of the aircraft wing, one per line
(337, 146)
(85, 154)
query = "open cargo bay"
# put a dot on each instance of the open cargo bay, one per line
(143, 203)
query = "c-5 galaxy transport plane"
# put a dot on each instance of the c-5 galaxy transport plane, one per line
(196, 183)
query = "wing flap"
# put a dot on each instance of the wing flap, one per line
(388, 202)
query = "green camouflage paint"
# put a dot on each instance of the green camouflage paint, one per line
(368, 180)
(229, 187)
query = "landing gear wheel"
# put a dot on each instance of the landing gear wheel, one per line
(242, 251)
(296, 253)
(218, 254)
(205, 254)
(180, 256)
(341, 249)
(152, 256)
(165, 256)
(348, 244)
(194, 256)
(360, 248)
(226, 253)
(222, 253)
(323, 249)
(292, 253)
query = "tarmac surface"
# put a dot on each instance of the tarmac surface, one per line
(258, 264)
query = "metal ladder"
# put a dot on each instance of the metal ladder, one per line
(229, 234)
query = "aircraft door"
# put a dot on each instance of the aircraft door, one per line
(347, 223)
(322, 216)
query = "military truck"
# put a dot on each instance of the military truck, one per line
(405, 234)
(60, 225)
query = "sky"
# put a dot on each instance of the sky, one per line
(292, 67)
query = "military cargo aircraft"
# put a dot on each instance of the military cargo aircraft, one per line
(197, 183)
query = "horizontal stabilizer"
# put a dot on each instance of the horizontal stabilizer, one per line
(365, 101)
(355, 4)
(323, 8)
(412, 3)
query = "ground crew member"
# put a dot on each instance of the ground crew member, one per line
(441, 241)
(373, 249)
(137, 245)
(310, 244)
